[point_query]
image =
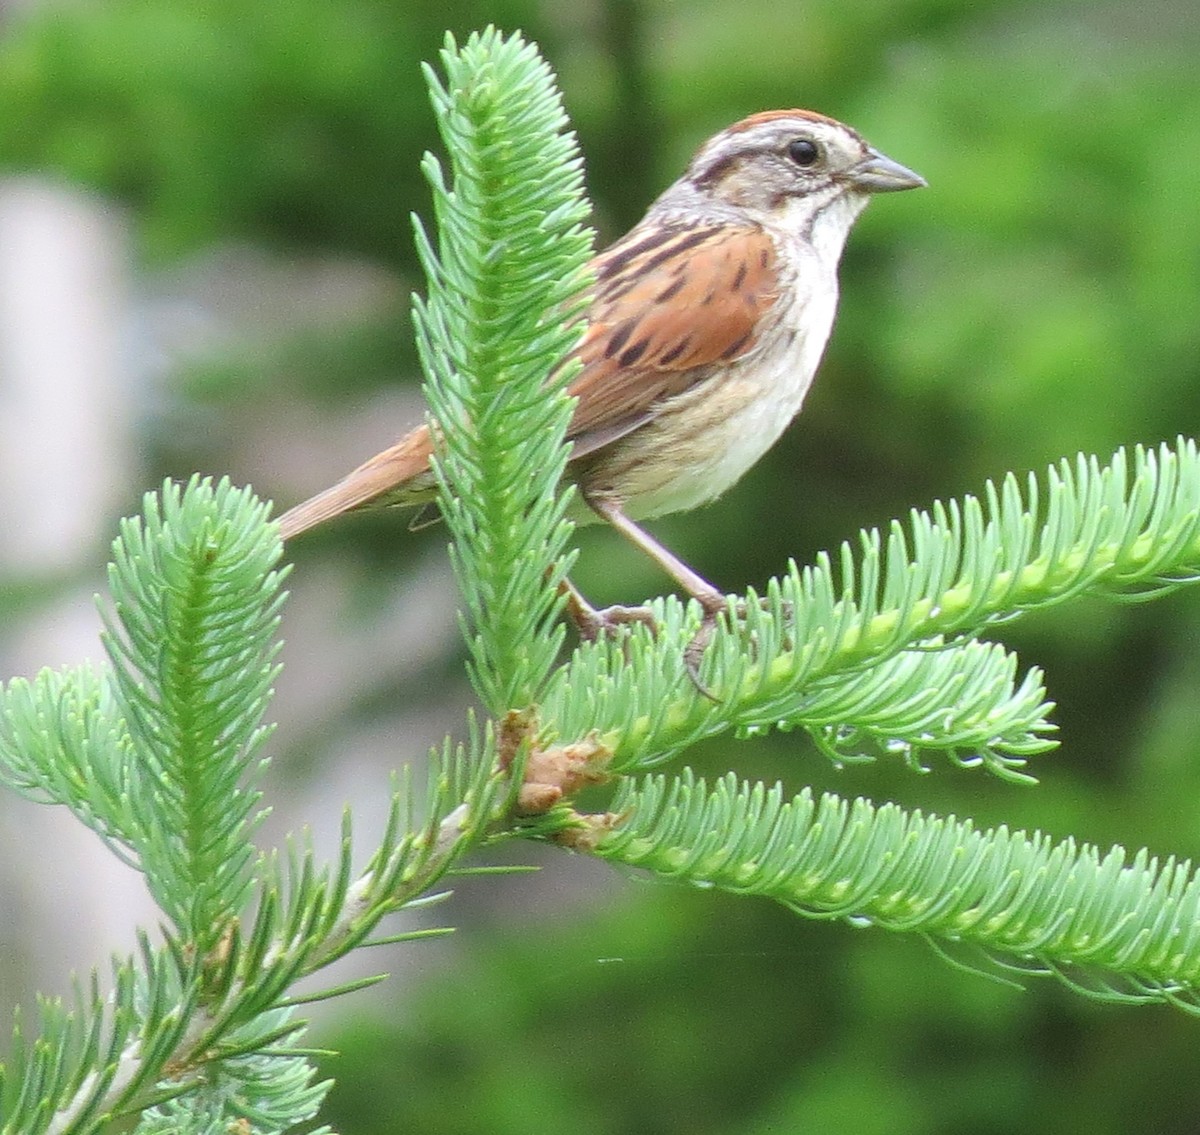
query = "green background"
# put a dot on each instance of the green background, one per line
(1038, 299)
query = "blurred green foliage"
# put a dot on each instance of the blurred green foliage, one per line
(1038, 299)
(299, 124)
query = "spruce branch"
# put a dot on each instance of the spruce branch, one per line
(504, 278)
(192, 1026)
(1114, 926)
(159, 753)
(195, 608)
(1130, 528)
(62, 741)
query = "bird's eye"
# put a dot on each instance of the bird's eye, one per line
(803, 151)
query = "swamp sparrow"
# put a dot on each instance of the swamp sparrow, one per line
(706, 323)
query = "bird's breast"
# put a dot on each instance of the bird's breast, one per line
(701, 442)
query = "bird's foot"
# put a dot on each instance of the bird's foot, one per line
(591, 622)
(714, 606)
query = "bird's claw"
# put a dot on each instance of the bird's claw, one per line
(714, 605)
(592, 623)
(693, 655)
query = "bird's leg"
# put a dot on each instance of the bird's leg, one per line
(711, 601)
(695, 585)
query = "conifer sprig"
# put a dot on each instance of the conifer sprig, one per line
(504, 275)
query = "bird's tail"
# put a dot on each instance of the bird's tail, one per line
(398, 475)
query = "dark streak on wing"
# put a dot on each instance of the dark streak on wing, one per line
(632, 271)
(666, 310)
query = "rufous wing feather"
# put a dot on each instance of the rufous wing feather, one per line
(670, 305)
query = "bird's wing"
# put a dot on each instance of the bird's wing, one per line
(669, 305)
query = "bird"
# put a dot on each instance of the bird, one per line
(705, 326)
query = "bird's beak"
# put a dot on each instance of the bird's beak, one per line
(879, 174)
